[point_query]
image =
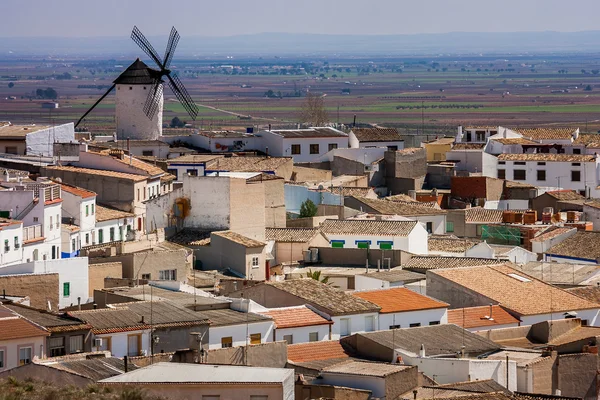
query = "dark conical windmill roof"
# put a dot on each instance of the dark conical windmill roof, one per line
(137, 73)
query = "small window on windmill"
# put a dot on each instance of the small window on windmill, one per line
(130, 87)
(144, 87)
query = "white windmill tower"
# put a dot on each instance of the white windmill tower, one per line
(139, 101)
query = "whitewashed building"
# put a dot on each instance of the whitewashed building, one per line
(388, 138)
(300, 324)
(79, 209)
(34, 140)
(232, 328)
(304, 145)
(515, 254)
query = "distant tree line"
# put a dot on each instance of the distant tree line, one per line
(48, 93)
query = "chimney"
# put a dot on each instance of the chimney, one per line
(125, 363)
(78, 303)
(378, 265)
(95, 306)
(269, 127)
(354, 123)
(491, 316)
(4, 293)
(422, 351)
(142, 321)
(462, 351)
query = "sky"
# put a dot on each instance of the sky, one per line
(85, 18)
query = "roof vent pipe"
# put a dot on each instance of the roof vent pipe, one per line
(422, 351)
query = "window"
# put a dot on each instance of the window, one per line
(66, 289)
(167, 275)
(576, 164)
(173, 172)
(25, 355)
(449, 226)
(255, 338)
(134, 345)
(289, 339)
(56, 346)
(386, 245)
(541, 175)
(501, 174)
(296, 149)
(468, 136)
(332, 146)
(415, 325)
(394, 148)
(147, 276)
(2, 362)
(92, 209)
(480, 136)
(362, 244)
(57, 221)
(148, 153)
(111, 234)
(138, 195)
(130, 88)
(100, 236)
(520, 163)
(519, 175)
(11, 150)
(541, 163)
(192, 172)
(575, 176)
(501, 162)
(576, 151)
(314, 148)
(51, 222)
(6, 246)
(395, 326)
(73, 245)
(87, 238)
(87, 210)
(337, 244)
(369, 323)
(345, 326)
(313, 337)
(434, 323)
(36, 219)
(120, 233)
(226, 342)
(429, 226)
(254, 262)
(584, 322)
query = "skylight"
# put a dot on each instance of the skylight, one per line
(519, 278)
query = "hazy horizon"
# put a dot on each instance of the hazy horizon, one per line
(115, 18)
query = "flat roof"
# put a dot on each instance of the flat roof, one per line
(308, 133)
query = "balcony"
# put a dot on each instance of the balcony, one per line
(32, 232)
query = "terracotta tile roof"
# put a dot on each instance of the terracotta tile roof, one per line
(419, 263)
(514, 290)
(593, 204)
(77, 191)
(247, 163)
(565, 195)
(99, 172)
(482, 215)
(309, 133)
(377, 134)
(480, 127)
(401, 197)
(352, 191)
(239, 239)
(510, 141)
(14, 327)
(397, 207)
(397, 274)
(20, 131)
(191, 237)
(547, 133)
(109, 320)
(70, 228)
(591, 293)
(476, 317)
(400, 300)
(468, 146)
(104, 213)
(367, 227)
(326, 297)
(51, 321)
(314, 351)
(546, 157)
(193, 159)
(582, 244)
(451, 245)
(552, 233)
(589, 140)
(576, 334)
(148, 168)
(364, 368)
(514, 184)
(293, 235)
(295, 317)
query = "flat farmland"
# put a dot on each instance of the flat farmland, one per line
(432, 94)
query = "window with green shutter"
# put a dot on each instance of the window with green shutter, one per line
(362, 244)
(66, 289)
(385, 245)
(449, 226)
(337, 244)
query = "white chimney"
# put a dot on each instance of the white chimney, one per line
(422, 351)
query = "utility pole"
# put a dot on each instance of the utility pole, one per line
(422, 117)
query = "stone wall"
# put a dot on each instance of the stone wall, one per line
(40, 288)
(98, 272)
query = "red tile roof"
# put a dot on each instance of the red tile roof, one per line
(19, 328)
(77, 191)
(475, 317)
(314, 351)
(399, 300)
(294, 317)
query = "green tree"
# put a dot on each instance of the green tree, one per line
(11, 85)
(177, 123)
(588, 88)
(308, 209)
(316, 275)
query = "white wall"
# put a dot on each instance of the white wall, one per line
(132, 122)
(301, 334)
(367, 155)
(357, 323)
(362, 282)
(118, 342)
(415, 243)
(11, 350)
(282, 147)
(506, 204)
(375, 384)
(542, 247)
(42, 141)
(404, 319)
(238, 333)
(592, 214)
(592, 317)
(209, 201)
(438, 222)
(14, 254)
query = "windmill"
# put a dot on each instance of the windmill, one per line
(139, 92)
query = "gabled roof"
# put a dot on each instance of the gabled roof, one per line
(364, 368)
(94, 368)
(291, 235)
(295, 317)
(398, 207)
(480, 215)
(48, 320)
(164, 313)
(239, 239)
(399, 300)
(567, 195)
(321, 295)
(315, 351)
(479, 317)
(511, 141)
(468, 146)
(397, 274)
(450, 244)
(109, 320)
(226, 316)
(377, 134)
(77, 191)
(104, 213)
(352, 191)
(308, 133)
(552, 233)
(98, 172)
(591, 293)
(247, 163)
(423, 263)
(582, 245)
(547, 133)
(514, 290)
(193, 159)
(367, 227)
(15, 327)
(546, 157)
(437, 340)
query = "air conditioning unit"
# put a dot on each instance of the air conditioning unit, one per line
(98, 342)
